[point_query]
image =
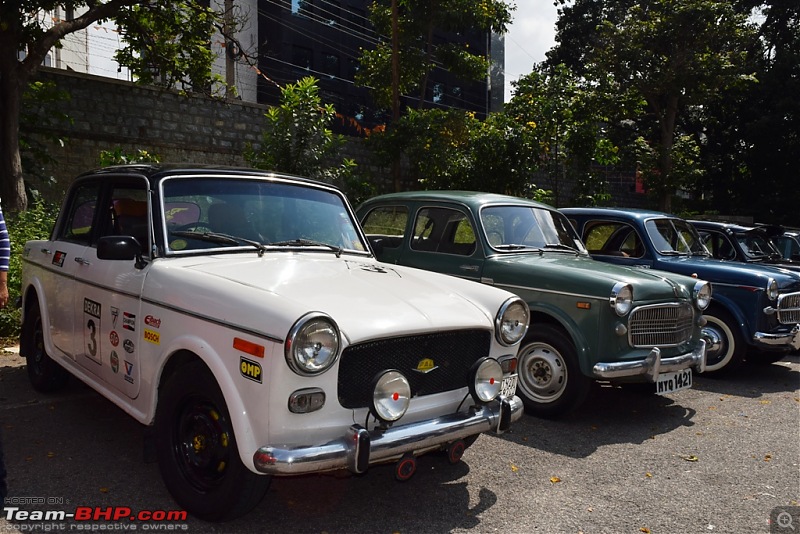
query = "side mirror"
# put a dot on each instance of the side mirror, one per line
(120, 247)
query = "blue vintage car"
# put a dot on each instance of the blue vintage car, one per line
(756, 308)
(749, 244)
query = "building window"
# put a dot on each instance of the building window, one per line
(438, 93)
(329, 11)
(302, 57)
(330, 64)
(353, 66)
(303, 8)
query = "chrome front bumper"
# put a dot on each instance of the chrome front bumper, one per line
(653, 365)
(787, 340)
(359, 448)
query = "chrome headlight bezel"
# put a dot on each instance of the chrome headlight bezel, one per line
(308, 337)
(485, 380)
(391, 395)
(621, 299)
(701, 294)
(772, 289)
(511, 322)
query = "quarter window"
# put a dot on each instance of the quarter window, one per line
(77, 227)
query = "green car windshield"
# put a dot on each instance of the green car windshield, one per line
(511, 228)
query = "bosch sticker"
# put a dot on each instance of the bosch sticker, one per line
(152, 337)
(250, 369)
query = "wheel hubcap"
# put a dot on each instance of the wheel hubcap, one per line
(543, 373)
(717, 346)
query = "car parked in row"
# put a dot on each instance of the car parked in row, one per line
(755, 313)
(748, 244)
(242, 316)
(589, 320)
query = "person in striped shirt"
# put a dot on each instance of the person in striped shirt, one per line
(5, 254)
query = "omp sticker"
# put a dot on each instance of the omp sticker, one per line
(250, 369)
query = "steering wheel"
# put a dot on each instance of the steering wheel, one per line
(495, 238)
(191, 226)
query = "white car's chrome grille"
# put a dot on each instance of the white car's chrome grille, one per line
(789, 308)
(660, 325)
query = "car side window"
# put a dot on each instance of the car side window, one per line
(128, 211)
(77, 225)
(387, 225)
(719, 245)
(613, 239)
(443, 230)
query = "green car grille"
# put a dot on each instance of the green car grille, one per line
(789, 308)
(661, 325)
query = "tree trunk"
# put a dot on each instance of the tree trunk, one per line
(667, 122)
(13, 80)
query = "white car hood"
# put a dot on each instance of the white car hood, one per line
(367, 299)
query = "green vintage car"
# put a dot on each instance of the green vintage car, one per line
(589, 320)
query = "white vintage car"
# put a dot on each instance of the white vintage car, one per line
(243, 316)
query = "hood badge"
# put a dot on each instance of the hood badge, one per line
(425, 366)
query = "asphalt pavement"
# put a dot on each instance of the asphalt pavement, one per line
(723, 457)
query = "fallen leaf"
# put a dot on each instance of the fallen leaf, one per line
(524, 439)
(103, 490)
(590, 509)
(765, 401)
(644, 529)
(555, 480)
(649, 475)
(690, 458)
(712, 407)
(51, 455)
(514, 468)
(767, 457)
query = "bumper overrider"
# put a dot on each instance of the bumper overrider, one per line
(653, 365)
(789, 340)
(359, 448)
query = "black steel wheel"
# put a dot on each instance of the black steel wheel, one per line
(196, 449)
(44, 374)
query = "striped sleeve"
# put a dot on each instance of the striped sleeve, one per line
(5, 244)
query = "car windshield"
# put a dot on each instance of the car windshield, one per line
(207, 213)
(673, 237)
(511, 228)
(756, 246)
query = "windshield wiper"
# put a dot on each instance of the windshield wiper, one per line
(511, 246)
(561, 246)
(222, 239)
(307, 243)
(672, 253)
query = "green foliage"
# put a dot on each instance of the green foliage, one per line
(35, 223)
(117, 156)
(297, 138)
(168, 43)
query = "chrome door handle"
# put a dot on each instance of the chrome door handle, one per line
(82, 261)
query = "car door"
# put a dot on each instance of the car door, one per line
(61, 259)
(107, 293)
(444, 239)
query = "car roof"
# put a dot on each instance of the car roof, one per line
(733, 227)
(155, 172)
(636, 213)
(474, 199)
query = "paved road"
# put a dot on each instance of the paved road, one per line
(716, 459)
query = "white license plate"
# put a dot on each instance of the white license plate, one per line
(509, 386)
(672, 382)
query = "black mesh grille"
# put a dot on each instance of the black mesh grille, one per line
(452, 353)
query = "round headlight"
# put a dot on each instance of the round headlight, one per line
(391, 394)
(511, 322)
(772, 289)
(486, 380)
(312, 344)
(702, 295)
(621, 298)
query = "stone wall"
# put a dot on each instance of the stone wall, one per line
(107, 113)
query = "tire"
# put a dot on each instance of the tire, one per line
(44, 374)
(725, 347)
(550, 380)
(196, 449)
